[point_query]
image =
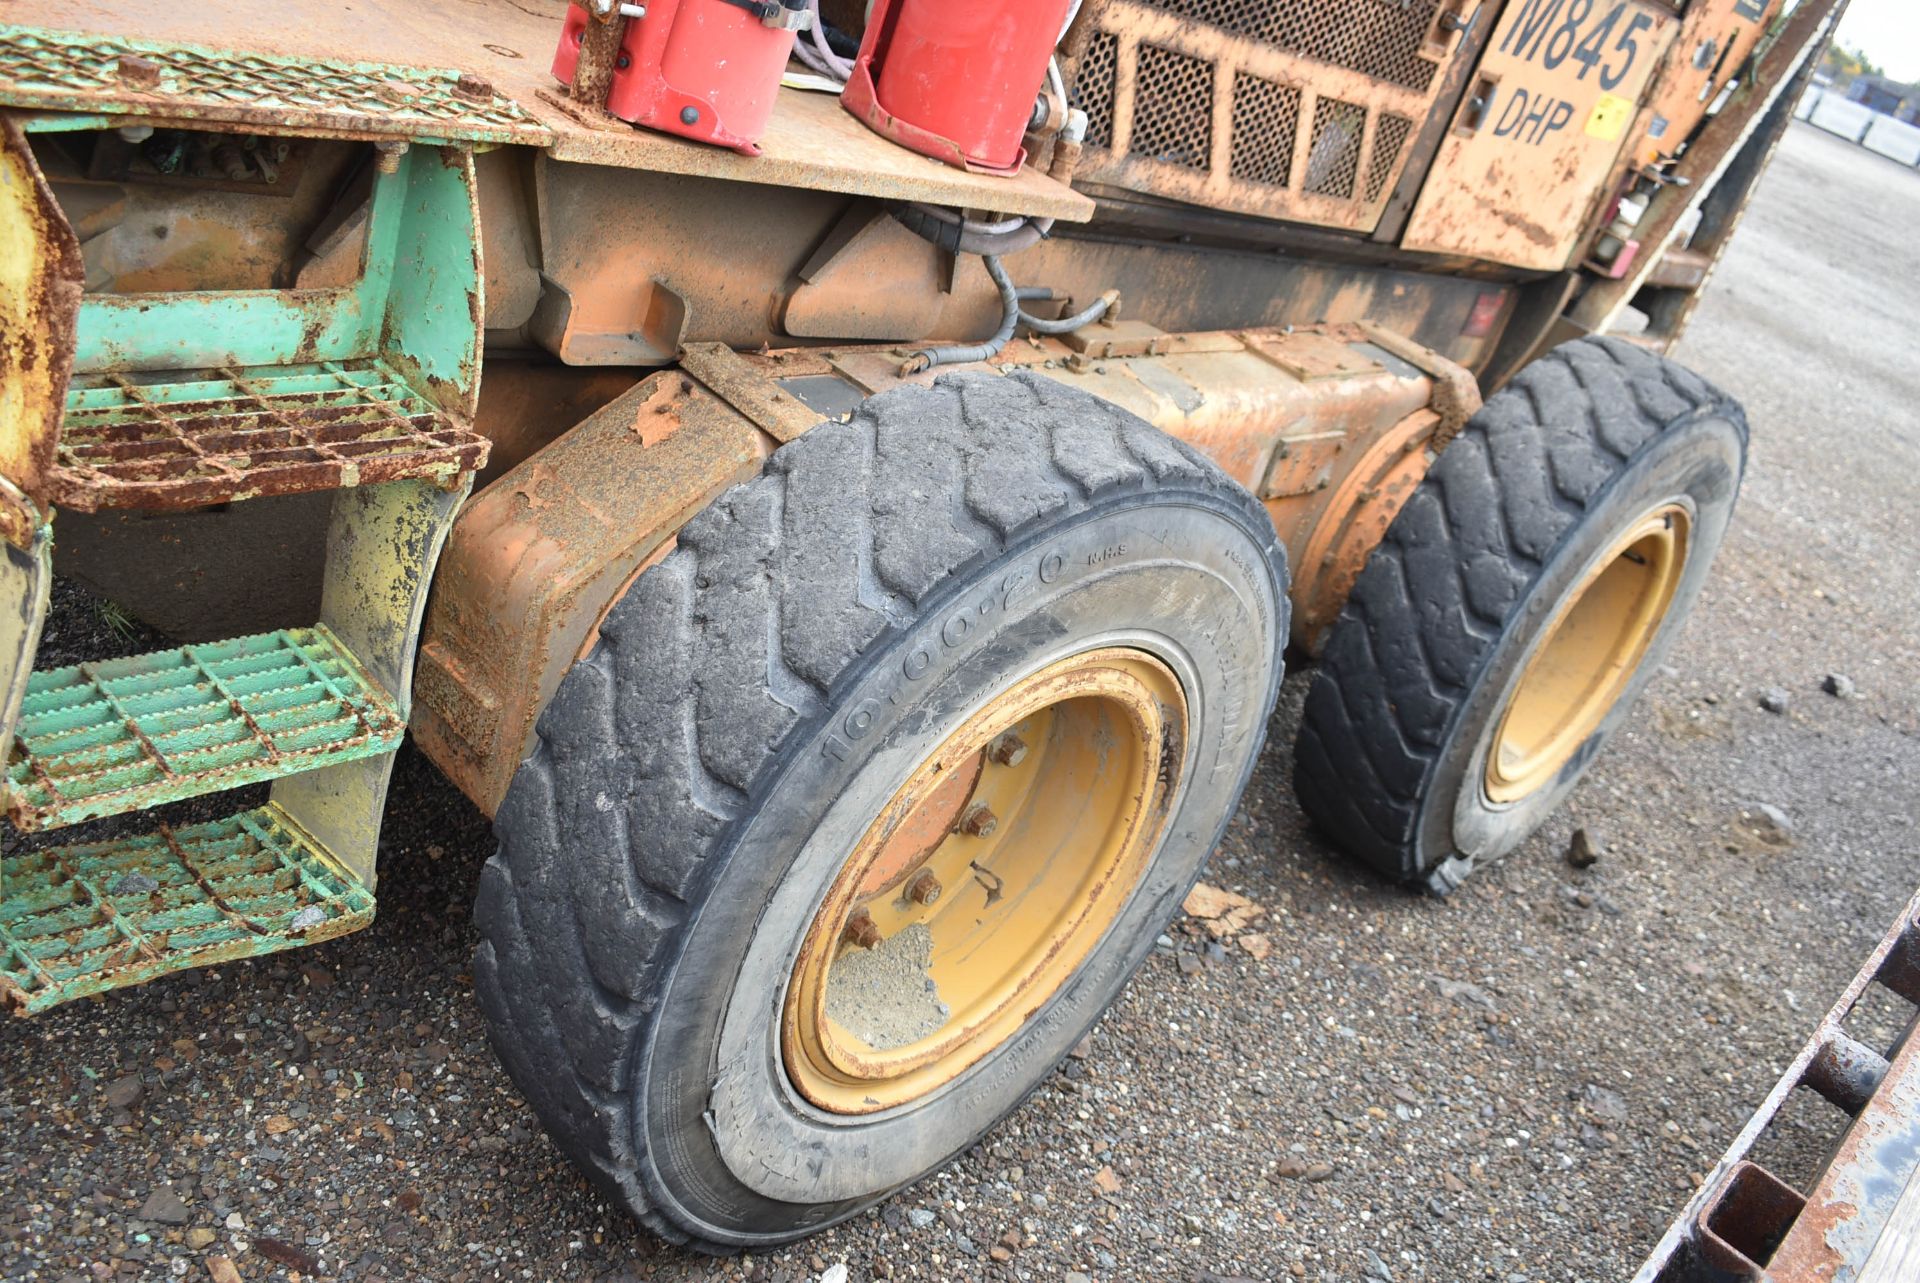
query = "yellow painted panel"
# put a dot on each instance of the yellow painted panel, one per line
(1546, 118)
(40, 287)
(1716, 39)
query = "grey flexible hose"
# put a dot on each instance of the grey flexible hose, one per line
(1011, 296)
(1000, 228)
(1068, 324)
(958, 354)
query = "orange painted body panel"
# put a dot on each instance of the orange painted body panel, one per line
(1524, 171)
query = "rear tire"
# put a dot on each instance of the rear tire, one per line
(753, 703)
(1451, 714)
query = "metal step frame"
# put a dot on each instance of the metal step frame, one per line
(178, 401)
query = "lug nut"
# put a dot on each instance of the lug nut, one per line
(925, 888)
(978, 821)
(861, 932)
(1008, 750)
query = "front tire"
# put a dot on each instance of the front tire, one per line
(992, 592)
(1516, 609)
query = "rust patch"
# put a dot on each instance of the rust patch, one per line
(125, 448)
(535, 561)
(40, 292)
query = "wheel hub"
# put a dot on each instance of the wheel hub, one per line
(985, 882)
(1588, 655)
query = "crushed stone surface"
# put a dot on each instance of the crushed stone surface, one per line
(884, 995)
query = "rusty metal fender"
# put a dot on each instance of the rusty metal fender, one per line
(539, 556)
(41, 280)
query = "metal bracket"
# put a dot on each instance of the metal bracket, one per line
(381, 551)
(784, 15)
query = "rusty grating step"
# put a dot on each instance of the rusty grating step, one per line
(79, 920)
(84, 71)
(245, 433)
(124, 735)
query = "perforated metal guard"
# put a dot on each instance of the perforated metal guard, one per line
(1299, 112)
(78, 71)
(270, 430)
(77, 920)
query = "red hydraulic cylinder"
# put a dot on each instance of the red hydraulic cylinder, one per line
(955, 81)
(704, 69)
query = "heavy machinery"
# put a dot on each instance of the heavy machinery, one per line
(855, 700)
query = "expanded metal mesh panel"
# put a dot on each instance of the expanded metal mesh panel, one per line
(1173, 115)
(1377, 38)
(1266, 117)
(1323, 100)
(1394, 132)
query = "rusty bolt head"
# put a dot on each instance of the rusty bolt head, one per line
(1008, 750)
(136, 72)
(387, 156)
(473, 88)
(925, 888)
(860, 931)
(978, 821)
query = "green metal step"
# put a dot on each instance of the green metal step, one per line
(80, 920)
(128, 734)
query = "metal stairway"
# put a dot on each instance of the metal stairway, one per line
(175, 402)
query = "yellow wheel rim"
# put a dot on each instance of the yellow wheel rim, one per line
(985, 882)
(1591, 649)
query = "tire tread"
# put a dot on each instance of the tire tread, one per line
(777, 589)
(1454, 571)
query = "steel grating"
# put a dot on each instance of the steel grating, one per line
(127, 734)
(1379, 40)
(245, 433)
(79, 920)
(1321, 111)
(84, 71)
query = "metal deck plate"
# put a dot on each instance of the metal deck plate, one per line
(79, 920)
(810, 142)
(246, 433)
(79, 71)
(108, 738)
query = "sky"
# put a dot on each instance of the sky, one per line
(1888, 31)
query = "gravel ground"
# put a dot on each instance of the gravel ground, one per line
(1524, 1082)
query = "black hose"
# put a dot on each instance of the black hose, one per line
(955, 238)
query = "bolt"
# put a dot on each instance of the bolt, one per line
(689, 115)
(925, 888)
(472, 87)
(1008, 750)
(137, 72)
(978, 821)
(860, 931)
(387, 156)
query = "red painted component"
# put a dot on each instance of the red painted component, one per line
(1485, 314)
(955, 81)
(1621, 265)
(703, 69)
